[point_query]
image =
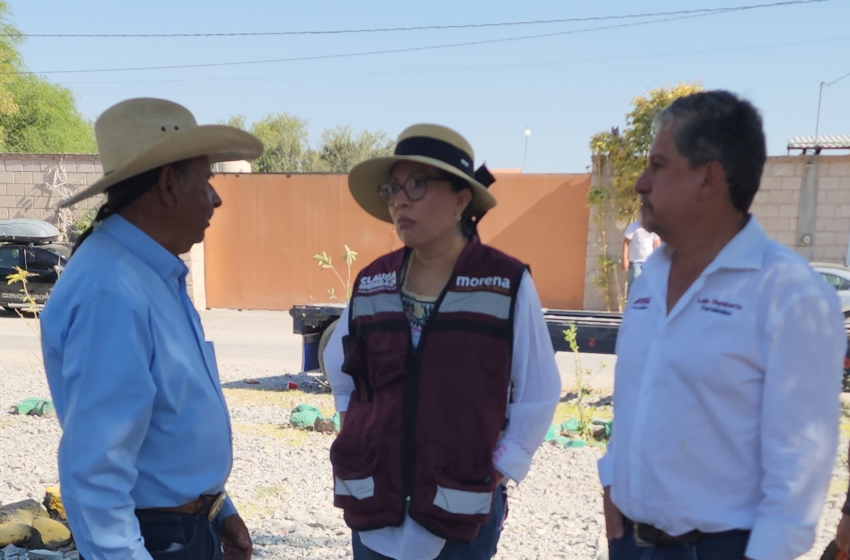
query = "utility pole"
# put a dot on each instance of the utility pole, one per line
(817, 123)
(525, 157)
(820, 98)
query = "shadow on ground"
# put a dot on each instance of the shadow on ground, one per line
(591, 400)
(306, 382)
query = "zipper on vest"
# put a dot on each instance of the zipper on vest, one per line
(411, 399)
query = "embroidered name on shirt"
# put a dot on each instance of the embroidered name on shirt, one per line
(490, 282)
(641, 303)
(717, 306)
(377, 283)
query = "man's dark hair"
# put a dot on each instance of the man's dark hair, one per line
(128, 191)
(718, 125)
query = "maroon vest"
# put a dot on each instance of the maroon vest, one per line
(422, 423)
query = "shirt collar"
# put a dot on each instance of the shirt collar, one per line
(145, 248)
(744, 252)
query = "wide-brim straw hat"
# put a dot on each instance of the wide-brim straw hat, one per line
(431, 144)
(139, 135)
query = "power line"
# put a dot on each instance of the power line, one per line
(833, 82)
(372, 53)
(702, 11)
(267, 78)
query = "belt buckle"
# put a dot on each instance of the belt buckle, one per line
(638, 540)
(217, 504)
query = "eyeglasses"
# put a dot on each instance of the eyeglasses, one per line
(414, 188)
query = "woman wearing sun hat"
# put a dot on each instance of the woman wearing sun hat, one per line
(441, 365)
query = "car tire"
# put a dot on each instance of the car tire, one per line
(323, 343)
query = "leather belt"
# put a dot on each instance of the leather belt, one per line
(208, 506)
(649, 536)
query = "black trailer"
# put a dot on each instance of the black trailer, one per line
(596, 332)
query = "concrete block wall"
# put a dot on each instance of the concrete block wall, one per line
(27, 191)
(777, 204)
(27, 184)
(196, 280)
(594, 296)
(803, 202)
(782, 210)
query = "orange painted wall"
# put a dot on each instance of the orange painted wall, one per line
(260, 245)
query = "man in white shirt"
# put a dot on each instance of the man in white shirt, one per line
(638, 244)
(729, 360)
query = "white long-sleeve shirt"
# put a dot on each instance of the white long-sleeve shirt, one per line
(727, 408)
(536, 387)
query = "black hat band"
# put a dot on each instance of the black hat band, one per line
(436, 149)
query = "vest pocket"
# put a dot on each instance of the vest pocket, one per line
(360, 488)
(386, 359)
(467, 500)
(354, 478)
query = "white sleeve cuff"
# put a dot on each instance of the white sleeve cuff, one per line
(770, 540)
(512, 459)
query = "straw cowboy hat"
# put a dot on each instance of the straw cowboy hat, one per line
(139, 135)
(434, 145)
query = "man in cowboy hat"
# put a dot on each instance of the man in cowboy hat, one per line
(146, 445)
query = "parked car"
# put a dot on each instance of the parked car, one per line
(30, 245)
(45, 261)
(839, 277)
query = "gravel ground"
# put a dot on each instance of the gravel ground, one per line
(281, 480)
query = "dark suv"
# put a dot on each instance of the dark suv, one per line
(44, 260)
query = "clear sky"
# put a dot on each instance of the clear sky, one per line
(564, 88)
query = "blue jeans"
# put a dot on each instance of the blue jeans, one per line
(482, 548)
(635, 268)
(198, 538)
(718, 548)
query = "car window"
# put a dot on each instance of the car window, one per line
(844, 284)
(10, 257)
(835, 281)
(40, 260)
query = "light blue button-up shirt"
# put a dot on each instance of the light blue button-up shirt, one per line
(136, 390)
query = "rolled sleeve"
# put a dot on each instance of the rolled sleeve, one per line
(536, 385)
(800, 416)
(342, 385)
(97, 458)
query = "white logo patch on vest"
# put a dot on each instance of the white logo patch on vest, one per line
(486, 282)
(377, 283)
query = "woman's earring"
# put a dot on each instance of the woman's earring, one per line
(457, 217)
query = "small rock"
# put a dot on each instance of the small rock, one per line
(49, 534)
(289, 526)
(19, 516)
(324, 426)
(302, 519)
(325, 523)
(44, 555)
(53, 503)
(13, 551)
(17, 534)
(30, 506)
